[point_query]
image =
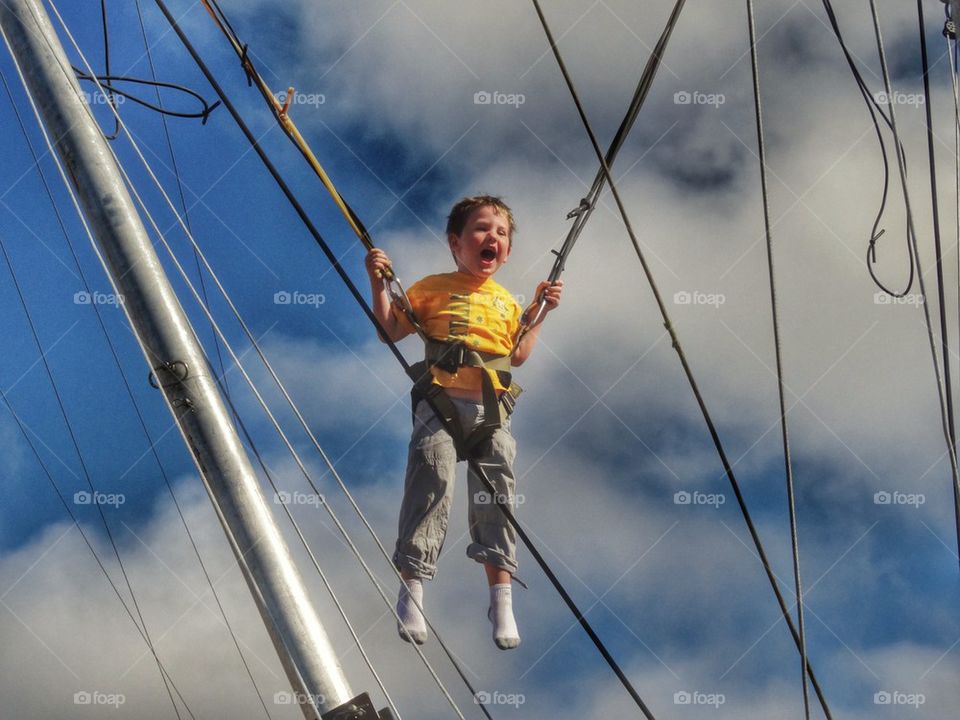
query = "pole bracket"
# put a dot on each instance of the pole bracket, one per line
(359, 708)
(168, 374)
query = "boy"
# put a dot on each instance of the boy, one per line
(469, 308)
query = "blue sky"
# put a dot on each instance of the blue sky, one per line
(608, 431)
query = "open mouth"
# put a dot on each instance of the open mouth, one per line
(488, 254)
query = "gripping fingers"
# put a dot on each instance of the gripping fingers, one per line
(551, 293)
(377, 262)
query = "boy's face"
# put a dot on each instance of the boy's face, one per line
(484, 245)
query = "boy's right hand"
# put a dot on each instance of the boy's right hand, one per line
(377, 264)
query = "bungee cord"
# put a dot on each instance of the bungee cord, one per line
(788, 464)
(728, 469)
(581, 214)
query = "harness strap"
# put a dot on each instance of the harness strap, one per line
(495, 409)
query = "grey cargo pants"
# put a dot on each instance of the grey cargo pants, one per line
(428, 494)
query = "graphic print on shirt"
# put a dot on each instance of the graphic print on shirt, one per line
(459, 312)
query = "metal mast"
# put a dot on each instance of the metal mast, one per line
(180, 368)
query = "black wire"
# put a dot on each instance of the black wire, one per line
(788, 465)
(106, 66)
(104, 81)
(874, 108)
(944, 337)
(728, 469)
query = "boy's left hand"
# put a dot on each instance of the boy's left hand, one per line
(550, 293)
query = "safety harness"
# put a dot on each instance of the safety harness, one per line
(450, 356)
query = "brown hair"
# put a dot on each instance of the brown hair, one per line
(460, 213)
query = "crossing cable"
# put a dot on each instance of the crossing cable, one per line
(934, 199)
(144, 631)
(950, 35)
(186, 278)
(167, 680)
(875, 110)
(728, 469)
(475, 466)
(129, 390)
(788, 465)
(581, 214)
(73, 518)
(902, 166)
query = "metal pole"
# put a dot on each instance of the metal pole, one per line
(176, 358)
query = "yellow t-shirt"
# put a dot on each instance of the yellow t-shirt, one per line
(454, 307)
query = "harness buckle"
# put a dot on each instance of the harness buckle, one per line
(451, 358)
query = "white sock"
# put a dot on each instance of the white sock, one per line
(505, 633)
(412, 626)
